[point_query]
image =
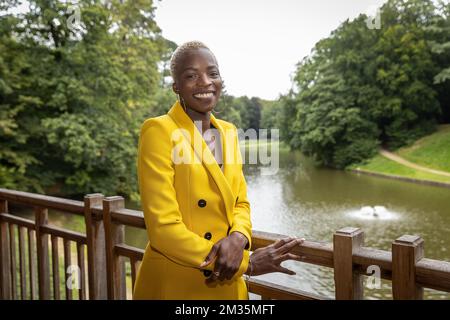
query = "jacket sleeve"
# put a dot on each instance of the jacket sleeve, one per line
(166, 230)
(241, 213)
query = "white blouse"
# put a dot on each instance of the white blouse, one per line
(212, 139)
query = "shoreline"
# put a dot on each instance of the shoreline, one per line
(401, 178)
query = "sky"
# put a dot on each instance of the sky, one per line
(257, 43)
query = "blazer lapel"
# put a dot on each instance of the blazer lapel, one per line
(222, 179)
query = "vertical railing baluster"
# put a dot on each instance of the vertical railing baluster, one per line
(22, 264)
(348, 284)
(42, 254)
(82, 278)
(5, 256)
(31, 264)
(134, 264)
(406, 252)
(96, 253)
(67, 264)
(55, 268)
(114, 234)
(13, 271)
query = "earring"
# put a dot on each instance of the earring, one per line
(224, 93)
(215, 111)
(183, 104)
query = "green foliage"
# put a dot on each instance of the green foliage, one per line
(243, 112)
(269, 112)
(363, 87)
(330, 127)
(440, 46)
(227, 110)
(72, 99)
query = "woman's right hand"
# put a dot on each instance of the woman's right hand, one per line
(268, 259)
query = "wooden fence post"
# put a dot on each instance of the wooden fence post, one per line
(348, 284)
(95, 234)
(406, 252)
(114, 234)
(5, 275)
(41, 218)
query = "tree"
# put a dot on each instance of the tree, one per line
(408, 108)
(440, 46)
(360, 88)
(73, 99)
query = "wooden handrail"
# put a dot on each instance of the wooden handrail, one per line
(105, 246)
(43, 201)
(11, 219)
(276, 291)
(65, 234)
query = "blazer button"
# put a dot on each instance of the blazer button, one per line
(208, 235)
(207, 273)
(201, 203)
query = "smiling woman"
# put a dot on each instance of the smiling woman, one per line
(198, 82)
(197, 214)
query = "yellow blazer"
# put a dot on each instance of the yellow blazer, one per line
(188, 206)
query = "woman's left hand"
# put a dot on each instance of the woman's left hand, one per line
(229, 253)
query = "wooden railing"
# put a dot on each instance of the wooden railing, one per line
(105, 275)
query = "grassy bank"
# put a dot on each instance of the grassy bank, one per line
(432, 151)
(380, 164)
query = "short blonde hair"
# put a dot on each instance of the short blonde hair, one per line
(181, 50)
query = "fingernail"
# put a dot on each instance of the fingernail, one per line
(203, 264)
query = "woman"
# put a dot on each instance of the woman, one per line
(194, 195)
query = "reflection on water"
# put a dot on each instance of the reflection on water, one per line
(311, 202)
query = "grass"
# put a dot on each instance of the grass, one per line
(259, 143)
(381, 164)
(432, 151)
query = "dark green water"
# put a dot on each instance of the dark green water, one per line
(311, 202)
